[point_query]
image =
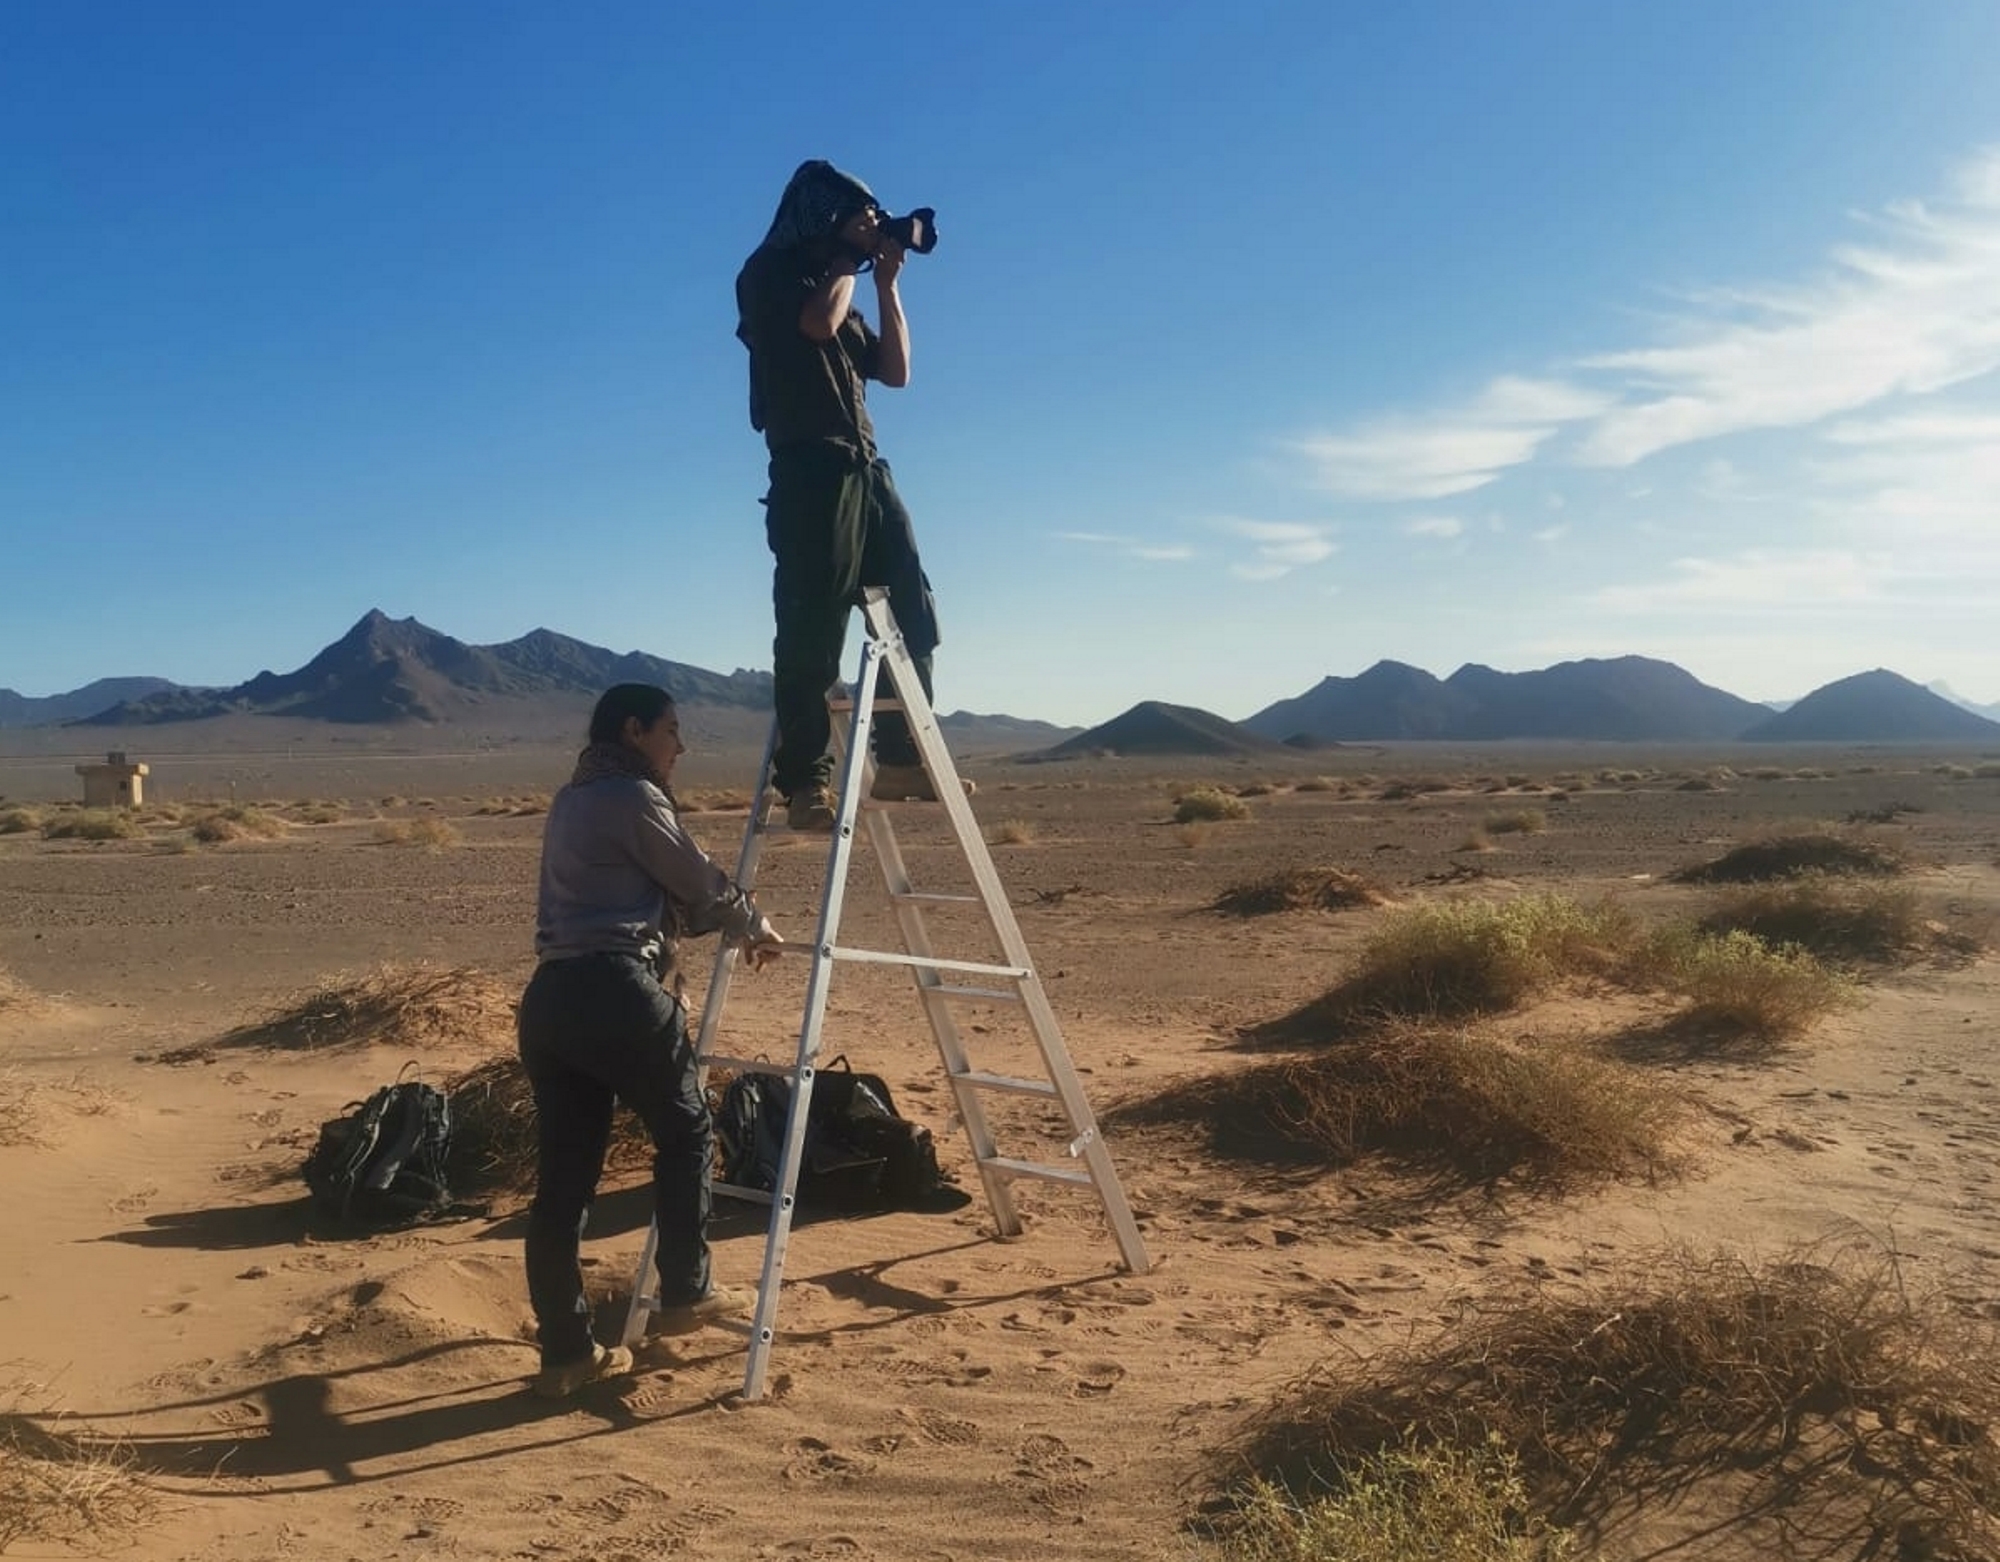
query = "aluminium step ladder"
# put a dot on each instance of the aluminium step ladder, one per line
(940, 983)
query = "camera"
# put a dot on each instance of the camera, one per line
(917, 231)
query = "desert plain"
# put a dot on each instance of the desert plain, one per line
(265, 1386)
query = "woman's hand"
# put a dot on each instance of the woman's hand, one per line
(760, 945)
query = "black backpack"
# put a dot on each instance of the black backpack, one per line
(383, 1164)
(859, 1154)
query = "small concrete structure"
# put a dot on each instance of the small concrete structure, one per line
(117, 783)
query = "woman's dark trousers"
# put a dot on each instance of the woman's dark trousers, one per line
(594, 1029)
(835, 524)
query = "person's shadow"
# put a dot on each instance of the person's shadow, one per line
(302, 1442)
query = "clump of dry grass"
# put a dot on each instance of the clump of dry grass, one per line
(1441, 1503)
(19, 821)
(493, 1130)
(1206, 803)
(91, 824)
(1475, 841)
(1191, 835)
(1463, 957)
(416, 1008)
(20, 1108)
(1736, 983)
(1299, 889)
(1519, 821)
(1404, 788)
(1787, 856)
(1820, 1386)
(1320, 784)
(1840, 920)
(58, 1489)
(236, 822)
(432, 834)
(1445, 1100)
(15, 997)
(1011, 832)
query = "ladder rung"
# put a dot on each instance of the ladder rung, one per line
(750, 1066)
(949, 990)
(920, 897)
(1007, 1166)
(1026, 1087)
(846, 702)
(1010, 973)
(736, 1190)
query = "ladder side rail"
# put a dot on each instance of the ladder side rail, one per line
(970, 1108)
(930, 743)
(778, 1235)
(645, 1286)
(747, 860)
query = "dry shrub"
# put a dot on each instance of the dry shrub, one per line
(1407, 787)
(1475, 842)
(1442, 1503)
(1320, 784)
(1011, 832)
(91, 824)
(1786, 856)
(19, 821)
(1259, 789)
(416, 1008)
(236, 822)
(1463, 957)
(63, 1489)
(1987, 770)
(20, 1109)
(431, 834)
(1819, 1391)
(1191, 835)
(1299, 889)
(1205, 803)
(1736, 983)
(1840, 920)
(320, 813)
(1452, 1103)
(16, 997)
(1521, 821)
(493, 1130)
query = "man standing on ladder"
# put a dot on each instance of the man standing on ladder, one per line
(833, 518)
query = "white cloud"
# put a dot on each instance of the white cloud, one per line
(1131, 547)
(1551, 534)
(1433, 526)
(1450, 452)
(1759, 580)
(1278, 546)
(1915, 313)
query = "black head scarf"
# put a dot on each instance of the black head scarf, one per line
(817, 201)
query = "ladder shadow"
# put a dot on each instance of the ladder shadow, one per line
(302, 1443)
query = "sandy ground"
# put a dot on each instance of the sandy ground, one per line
(935, 1393)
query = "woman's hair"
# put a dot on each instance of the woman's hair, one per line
(647, 701)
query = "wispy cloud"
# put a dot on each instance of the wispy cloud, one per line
(1434, 526)
(1130, 547)
(1759, 579)
(1277, 547)
(1433, 456)
(1912, 313)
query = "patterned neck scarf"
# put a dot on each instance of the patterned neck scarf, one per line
(598, 760)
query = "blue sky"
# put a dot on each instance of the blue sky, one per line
(1262, 341)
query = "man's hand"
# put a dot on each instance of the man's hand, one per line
(888, 261)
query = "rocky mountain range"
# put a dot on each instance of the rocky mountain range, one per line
(388, 671)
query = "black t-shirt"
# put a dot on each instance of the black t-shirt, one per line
(801, 389)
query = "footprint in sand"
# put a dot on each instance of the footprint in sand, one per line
(814, 1460)
(951, 1431)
